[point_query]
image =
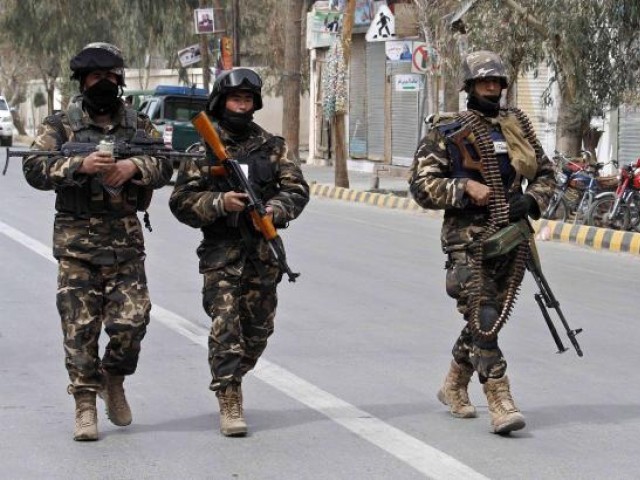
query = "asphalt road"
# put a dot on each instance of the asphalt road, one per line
(346, 389)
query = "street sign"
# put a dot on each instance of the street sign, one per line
(383, 26)
(419, 58)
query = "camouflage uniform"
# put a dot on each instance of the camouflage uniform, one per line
(240, 274)
(438, 182)
(99, 245)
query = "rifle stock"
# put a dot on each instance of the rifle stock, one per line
(231, 170)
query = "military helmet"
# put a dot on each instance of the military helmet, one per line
(233, 80)
(483, 64)
(98, 56)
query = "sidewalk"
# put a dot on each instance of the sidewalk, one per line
(392, 192)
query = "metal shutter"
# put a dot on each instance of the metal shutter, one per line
(405, 112)
(628, 134)
(529, 91)
(376, 77)
(358, 99)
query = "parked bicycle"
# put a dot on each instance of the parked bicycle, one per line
(619, 210)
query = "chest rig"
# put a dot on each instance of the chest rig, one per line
(254, 155)
(478, 158)
(91, 198)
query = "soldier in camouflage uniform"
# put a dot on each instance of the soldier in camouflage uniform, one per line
(240, 273)
(98, 239)
(473, 164)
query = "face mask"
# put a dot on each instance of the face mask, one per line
(101, 97)
(236, 122)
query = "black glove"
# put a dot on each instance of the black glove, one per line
(522, 206)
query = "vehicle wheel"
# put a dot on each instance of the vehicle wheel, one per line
(558, 213)
(598, 215)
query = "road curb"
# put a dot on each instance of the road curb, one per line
(591, 237)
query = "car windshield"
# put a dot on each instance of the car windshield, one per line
(182, 109)
(3, 104)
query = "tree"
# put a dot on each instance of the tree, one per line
(591, 47)
(291, 77)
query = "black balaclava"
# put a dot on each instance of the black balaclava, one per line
(236, 123)
(489, 105)
(102, 97)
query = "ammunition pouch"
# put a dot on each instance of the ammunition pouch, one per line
(506, 239)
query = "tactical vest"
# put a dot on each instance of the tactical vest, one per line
(90, 198)
(263, 176)
(507, 172)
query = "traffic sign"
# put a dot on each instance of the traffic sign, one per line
(419, 58)
(383, 26)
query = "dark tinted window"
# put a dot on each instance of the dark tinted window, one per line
(182, 109)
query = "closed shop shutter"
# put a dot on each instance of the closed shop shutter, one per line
(376, 77)
(529, 91)
(628, 134)
(358, 99)
(405, 112)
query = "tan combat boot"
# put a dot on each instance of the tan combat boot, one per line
(86, 417)
(232, 422)
(118, 409)
(454, 391)
(505, 416)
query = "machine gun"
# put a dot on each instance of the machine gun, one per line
(140, 144)
(238, 181)
(546, 299)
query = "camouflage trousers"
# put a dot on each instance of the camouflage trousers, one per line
(90, 296)
(484, 356)
(242, 305)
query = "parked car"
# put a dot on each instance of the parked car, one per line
(6, 124)
(171, 108)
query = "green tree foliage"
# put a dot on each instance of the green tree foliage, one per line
(49, 32)
(591, 46)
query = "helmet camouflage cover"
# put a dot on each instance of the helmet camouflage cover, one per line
(483, 64)
(98, 56)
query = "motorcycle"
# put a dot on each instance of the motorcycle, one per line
(619, 210)
(578, 183)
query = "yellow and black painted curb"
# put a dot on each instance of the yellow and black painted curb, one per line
(592, 237)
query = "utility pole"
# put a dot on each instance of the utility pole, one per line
(291, 77)
(204, 53)
(340, 131)
(235, 29)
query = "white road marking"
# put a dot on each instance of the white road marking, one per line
(424, 458)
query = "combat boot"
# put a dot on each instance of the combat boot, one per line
(454, 391)
(112, 393)
(232, 422)
(86, 428)
(505, 416)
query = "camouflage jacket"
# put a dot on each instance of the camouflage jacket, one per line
(433, 186)
(105, 235)
(197, 197)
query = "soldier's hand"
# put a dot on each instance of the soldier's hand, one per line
(96, 162)
(478, 192)
(234, 201)
(119, 172)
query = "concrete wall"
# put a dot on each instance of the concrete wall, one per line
(269, 118)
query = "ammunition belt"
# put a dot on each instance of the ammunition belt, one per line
(498, 218)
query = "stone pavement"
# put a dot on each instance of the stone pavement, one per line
(392, 192)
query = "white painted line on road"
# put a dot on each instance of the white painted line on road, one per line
(426, 459)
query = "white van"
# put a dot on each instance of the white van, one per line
(6, 124)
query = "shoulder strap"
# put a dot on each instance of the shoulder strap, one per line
(55, 121)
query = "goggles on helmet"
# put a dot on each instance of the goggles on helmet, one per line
(241, 77)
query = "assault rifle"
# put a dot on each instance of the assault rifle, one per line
(140, 144)
(238, 181)
(546, 299)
